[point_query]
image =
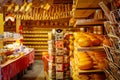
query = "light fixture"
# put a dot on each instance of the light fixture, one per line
(28, 6)
(47, 6)
(16, 8)
(23, 6)
(9, 17)
(10, 7)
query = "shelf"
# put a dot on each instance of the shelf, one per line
(44, 40)
(89, 22)
(100, 48)
(40, 50)
(35, 43)
(89, 71)
(38, 36)
(10, 39)
(40, 47)
(35, 32)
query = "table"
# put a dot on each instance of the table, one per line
(12, 67)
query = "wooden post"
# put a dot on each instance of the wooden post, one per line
(18, 23)
(1, 28)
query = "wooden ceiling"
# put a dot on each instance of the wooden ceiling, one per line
(85, 8)
(63, 1)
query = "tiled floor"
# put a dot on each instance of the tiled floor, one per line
(37, 72)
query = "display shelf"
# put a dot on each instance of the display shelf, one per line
(36, 36)
(91, 51)
(44, 40)
(38, 46)
(41, 50)
(94, 48)
(35, 32)
(93, 70)
(89, 22)
(10, 39)
(112, 70)
(44, 43)
(89, 71)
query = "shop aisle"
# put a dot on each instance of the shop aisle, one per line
(37, 72)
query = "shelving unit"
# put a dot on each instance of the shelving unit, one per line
(89, 22)
(36, 38)
(94, 48)
(112, 28)
(89, 17)
(89, 71)
(94, 70)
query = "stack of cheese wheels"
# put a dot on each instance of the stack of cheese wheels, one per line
(85, 61)
(85, 39)
(100, 56)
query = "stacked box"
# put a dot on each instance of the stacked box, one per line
(59, 59)
(68, 47)
(51, 63)
(59, 62)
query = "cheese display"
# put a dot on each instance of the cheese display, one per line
(84, 39)
(88, 60)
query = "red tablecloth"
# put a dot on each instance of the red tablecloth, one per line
(14, 67)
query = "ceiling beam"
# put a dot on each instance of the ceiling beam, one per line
(88, 8)
(62, 1)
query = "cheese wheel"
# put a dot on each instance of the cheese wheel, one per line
(83, 41)
(82, 54)
(84, 77)
(95, 40)
(84, 65)
(85, 59)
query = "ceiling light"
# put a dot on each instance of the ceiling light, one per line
(28, 6)
(23, 7)
(9, 18)
(16, 8)
(10, 7)
(47, 6)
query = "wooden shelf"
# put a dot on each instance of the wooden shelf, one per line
(35, 40)
(40, 50)
(89, 22)
(98, 48)
(89, 71)
(83, 9)
(35, 32)
(34, 43)
(35, 36)
(40, 47)
(10, 39)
